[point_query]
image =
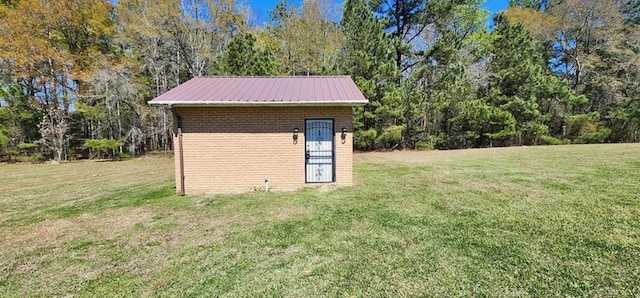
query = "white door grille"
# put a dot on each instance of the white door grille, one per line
(319, 151)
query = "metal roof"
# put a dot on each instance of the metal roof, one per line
(273, 91)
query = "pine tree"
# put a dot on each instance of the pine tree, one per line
(367, 55)
(523, 84)
(242, 58)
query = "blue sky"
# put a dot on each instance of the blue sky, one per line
(261, 7)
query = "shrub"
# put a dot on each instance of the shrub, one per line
(598, 136)
(580, 124)
(365, 139)
(33, 157)
(27, 146)
(549, 140)
(585, 128)
(429, 143)
(424, 145)
(390, 136)
(104, 146)
(9, 154)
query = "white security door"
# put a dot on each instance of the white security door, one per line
(319, 151)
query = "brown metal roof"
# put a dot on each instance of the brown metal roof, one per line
(308, 90)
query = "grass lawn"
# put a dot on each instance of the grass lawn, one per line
(529, 221)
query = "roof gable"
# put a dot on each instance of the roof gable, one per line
(238, 91)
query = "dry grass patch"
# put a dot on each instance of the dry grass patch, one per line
(105, 225)
(34, 189)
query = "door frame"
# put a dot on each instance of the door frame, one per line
(333, 148)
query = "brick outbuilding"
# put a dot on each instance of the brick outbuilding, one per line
(238, 134)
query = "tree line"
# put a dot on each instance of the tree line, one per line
(75, 75)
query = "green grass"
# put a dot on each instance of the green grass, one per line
(529, 221)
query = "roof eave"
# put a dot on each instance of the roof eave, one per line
(253, 104)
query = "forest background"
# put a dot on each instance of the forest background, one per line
(76, 75)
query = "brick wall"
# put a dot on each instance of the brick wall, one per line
(233, 149)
